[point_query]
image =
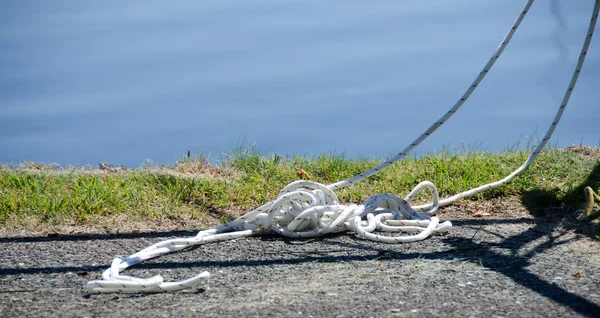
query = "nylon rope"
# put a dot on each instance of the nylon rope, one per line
(305, 209)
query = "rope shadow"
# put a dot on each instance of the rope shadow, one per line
(188, 233)
(96, 237)
(550, 212)
(514, 267)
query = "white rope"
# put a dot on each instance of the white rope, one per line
(448, 114)
(303, 209)
(306, 209)
(536, 151)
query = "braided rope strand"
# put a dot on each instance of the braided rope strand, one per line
(447, 115)
(536, 151)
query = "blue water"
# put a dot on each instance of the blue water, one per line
(83, 82)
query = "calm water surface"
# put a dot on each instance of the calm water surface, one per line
(123, 81)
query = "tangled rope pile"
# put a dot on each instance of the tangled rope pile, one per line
(305, 209)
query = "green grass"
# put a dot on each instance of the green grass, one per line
(247, 179)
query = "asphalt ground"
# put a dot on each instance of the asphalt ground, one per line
(501, 267)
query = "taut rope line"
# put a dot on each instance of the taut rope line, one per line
(450, 112)
(308, 209)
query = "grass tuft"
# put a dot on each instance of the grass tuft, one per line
(197, 189)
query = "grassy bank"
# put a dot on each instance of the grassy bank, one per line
(194, 190)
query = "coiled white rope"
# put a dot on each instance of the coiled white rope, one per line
(306, 209)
